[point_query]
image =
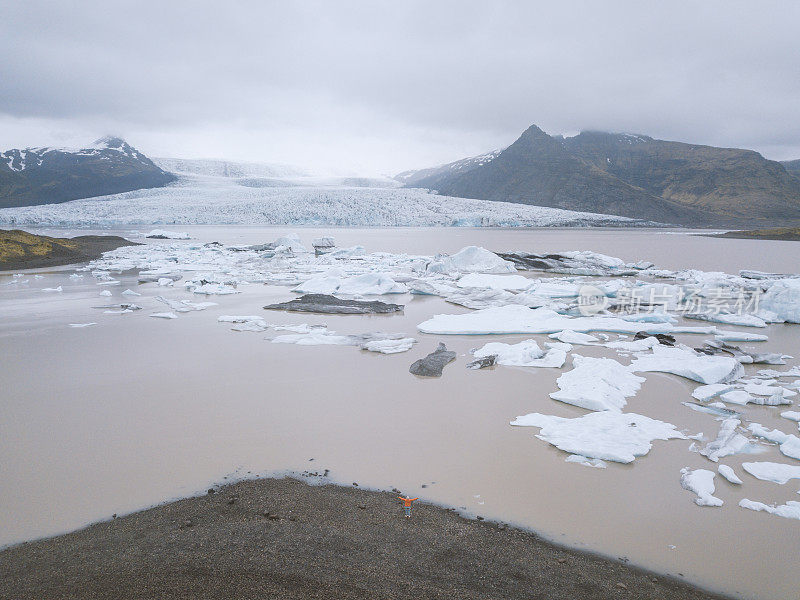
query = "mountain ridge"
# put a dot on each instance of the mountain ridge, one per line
(46, 175)
(630, 175)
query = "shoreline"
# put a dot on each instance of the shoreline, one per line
(286, 538)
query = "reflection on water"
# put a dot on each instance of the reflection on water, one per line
(133, 411)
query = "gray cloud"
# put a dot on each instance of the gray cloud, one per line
(387, 85)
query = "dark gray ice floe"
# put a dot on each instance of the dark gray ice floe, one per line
(575, 263)
(433, 364)
(324, 303)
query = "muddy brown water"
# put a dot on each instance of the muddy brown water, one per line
(135, 411)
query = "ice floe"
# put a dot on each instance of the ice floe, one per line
(771, 471)
(788, 444)
(520, 319)
(729, 474)
(524, 354)
(783, 299)
(701, 483)
(586, 462)
(704, 393)
(687, 363)
(790, 510)
(164, 315)
(472, 259)
(389, 346)
(55, 289)
(495, 282)
(727, 442)
(79, 325)
(606, 435)
(597, 384)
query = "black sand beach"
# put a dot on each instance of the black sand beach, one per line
(282, 538)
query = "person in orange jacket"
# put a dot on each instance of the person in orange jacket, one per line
(407, 505)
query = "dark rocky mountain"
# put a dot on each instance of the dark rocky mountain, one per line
(630, 175)
(792, 167)
(51, 175)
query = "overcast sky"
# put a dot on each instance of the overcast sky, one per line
(378, 87)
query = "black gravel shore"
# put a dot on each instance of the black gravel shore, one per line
(284, 539)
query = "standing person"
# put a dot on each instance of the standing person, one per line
(407, 505)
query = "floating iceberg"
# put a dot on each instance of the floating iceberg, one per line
(495, 282)
(704, 393)
(788, 443)
(568, 336)
(687, 363)
(471, 259)
(607, 435)
(771, 471)
(524, 354)
(790, 510)
(739, 336)
(586, 462)
(574, 262)
(597, 384)
(55, 289)
(700, 482)
(389, 346)
(783, 299)
(79, 325)
(728, 442)
(164, 315)
(729, 474)
(520, 319)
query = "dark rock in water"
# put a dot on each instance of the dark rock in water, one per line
(432, 365)
(325, 303)
(482, 363)
(664, 339)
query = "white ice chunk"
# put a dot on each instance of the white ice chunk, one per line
(586, 462)
(700, 482)
(790, 510)
(371, 284)
(55, 289)
(389, 346)
(105, 293)
(729, 474)
(524, 354)
(728, 441)
(633, 345)
(740, 336)
(607, 435)
(520, 319)
(739, 397)
(771, 471)
(471, 259)
(495, 282)
(789, 444)
(164, 315)
(783, 299)
(704, 393)
(573, 337)
(317, 337)
(219, 289)
(130, 292)
(597, 384)
(791, 415)
(82, 324)
(687, 363)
